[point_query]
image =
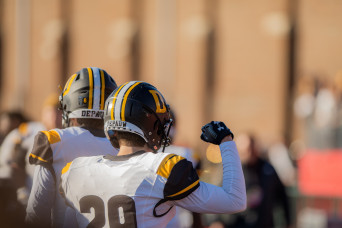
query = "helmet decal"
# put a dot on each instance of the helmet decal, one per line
(160, 104)
(68, 84)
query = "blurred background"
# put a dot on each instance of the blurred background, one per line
(272, 69)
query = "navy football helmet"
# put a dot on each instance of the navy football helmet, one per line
(139, 108)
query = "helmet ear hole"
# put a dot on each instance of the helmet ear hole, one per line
(77, 77)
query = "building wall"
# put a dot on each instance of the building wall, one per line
(213, 59)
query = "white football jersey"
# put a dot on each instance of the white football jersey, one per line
(55, 148)
(131, 190)
(23, 135)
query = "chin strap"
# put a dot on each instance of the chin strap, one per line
(65, 120)
(167, 140)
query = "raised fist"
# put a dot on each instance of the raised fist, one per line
(214, 132)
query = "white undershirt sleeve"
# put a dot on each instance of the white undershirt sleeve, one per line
(41, 200)
(230, 198)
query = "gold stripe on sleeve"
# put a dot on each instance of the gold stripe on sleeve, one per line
(53, 136)
(185, 189)
(37, 157)
(167, 164)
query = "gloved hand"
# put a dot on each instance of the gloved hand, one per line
(215, 131)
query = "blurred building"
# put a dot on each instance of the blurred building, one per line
(239, 61)
(236, 61)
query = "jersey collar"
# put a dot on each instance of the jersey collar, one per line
(124, 157)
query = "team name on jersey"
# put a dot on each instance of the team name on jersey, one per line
(98, 114)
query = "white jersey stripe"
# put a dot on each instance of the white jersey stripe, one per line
(119, 100)
(97, 88)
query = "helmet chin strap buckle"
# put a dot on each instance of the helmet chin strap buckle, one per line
(65, 120)
(167, 139)
(166, 143)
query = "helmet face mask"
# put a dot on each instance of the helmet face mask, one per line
(84, 94)
(138, 108)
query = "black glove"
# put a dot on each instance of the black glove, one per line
(214, 132)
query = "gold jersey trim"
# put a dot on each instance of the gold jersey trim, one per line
(53, 136)
(37, 157)
(66, 168)
(167, 164)
(185, 189)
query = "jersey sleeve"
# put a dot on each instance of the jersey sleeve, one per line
(41, 153)
(41, 200)
(230, 198)
(181, 177)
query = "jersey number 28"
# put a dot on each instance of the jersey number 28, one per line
(121, 211)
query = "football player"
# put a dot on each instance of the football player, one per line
(140, 187)
(82, 103)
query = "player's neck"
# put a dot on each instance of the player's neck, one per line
(124, 150)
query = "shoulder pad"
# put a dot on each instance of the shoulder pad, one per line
(42, 153)
(182, 178)
(167, 164)
(52, 136)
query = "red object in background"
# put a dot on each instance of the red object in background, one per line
(320, 173)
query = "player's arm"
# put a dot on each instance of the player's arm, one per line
(41, 200)
(41, 153)
(229, 198)
(70, 218)
(42, 195)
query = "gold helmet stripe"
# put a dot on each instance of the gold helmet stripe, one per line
(102, 90)
(68, 84)
(91, 86)
(125, 100)
(114, 99)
